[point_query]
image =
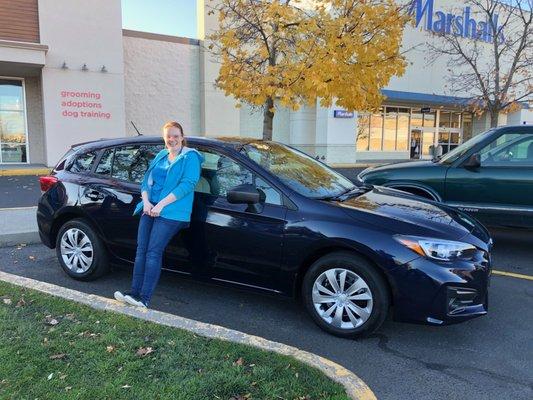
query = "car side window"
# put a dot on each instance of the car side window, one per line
(221, 173)
(127, 163)
(106, 163)
(511, 149)
(83, 162)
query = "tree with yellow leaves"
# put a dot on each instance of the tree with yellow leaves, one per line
(292, 52)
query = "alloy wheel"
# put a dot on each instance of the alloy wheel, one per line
(342, 298)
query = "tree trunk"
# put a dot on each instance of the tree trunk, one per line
(268, 119)
(494, 118)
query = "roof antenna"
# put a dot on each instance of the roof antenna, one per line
(138, 133)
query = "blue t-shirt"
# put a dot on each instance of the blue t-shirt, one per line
(159, 174)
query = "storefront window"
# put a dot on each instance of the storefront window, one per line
(402, 135)
(467, 126)
(363, 131)
(456, 120)
(417, 119)
(12, 122)
(444, 119)
(376, 131)
(429, 120)
(389, 131)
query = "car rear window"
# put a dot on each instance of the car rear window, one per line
(83, 162)
(62, 164)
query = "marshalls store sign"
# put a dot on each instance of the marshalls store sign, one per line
(446, 23)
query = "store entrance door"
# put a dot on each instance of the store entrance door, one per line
(423, 133)
(421, 142)
(416, 143)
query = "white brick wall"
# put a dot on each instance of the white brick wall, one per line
(161, 84)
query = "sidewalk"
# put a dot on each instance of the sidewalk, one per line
(18, 225)
(23, 169)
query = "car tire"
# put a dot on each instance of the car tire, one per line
(80, 251)
(365, 295)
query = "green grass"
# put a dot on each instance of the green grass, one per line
(181, 366)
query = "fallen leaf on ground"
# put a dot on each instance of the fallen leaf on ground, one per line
(68, 388)
(239, 361)
(125, 386)
(144, 351)
(7, 301)
(109, 349)
(31, 257)
(58, 356)
(240, 397)
(49, 320)
(50, 376)
(21, 303)
(62, 376)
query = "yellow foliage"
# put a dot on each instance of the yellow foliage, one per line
(297, 51)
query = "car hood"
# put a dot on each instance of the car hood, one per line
(412, 215)
(400, 166)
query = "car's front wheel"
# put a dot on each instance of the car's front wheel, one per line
(80, 251)
(345, 295)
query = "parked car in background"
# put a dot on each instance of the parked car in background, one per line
(271, 219)
(490, 177)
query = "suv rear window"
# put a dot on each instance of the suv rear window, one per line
(83, 162)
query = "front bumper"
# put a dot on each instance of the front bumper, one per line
(441, 293)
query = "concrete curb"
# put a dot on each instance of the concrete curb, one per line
(355, 387)
(25, 171)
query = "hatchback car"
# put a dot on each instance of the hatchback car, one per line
(489, 176)
(271, 219)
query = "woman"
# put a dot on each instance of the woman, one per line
(167, 196)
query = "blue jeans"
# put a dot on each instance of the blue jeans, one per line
(152, 239)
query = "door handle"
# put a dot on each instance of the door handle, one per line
(94, 195)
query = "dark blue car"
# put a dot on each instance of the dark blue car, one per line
(269, 218)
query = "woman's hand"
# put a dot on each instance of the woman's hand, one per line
(156, 210)
(147, 207)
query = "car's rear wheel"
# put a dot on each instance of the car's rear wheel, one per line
(345, 295)
(80, 251)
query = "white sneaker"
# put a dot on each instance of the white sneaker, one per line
(135, 301)
(119, 296)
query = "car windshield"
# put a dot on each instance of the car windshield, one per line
(300, 172)
(459, 151)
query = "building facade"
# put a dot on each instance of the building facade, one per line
(69, 73)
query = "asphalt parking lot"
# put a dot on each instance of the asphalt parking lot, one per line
(486, 358)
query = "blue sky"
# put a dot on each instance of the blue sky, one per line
(168, 17)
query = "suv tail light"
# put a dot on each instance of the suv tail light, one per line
(47, 182)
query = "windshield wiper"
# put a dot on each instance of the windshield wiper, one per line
(348, 192)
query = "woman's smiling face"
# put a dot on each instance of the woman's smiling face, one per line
(173, 138)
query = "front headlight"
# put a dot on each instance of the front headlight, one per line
(438, 249)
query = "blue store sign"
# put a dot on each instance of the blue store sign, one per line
(342, 114)
(459, 25)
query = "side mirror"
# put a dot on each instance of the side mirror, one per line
(474, 161)
(243, 194)
(247, 194)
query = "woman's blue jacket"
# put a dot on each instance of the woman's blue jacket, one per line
(182, 177)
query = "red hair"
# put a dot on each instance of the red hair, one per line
(174, 124)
